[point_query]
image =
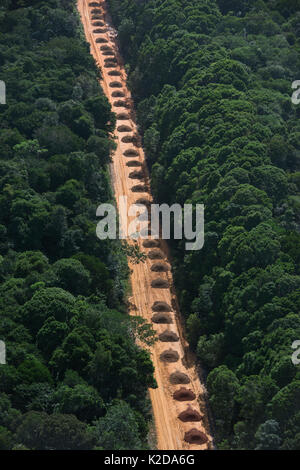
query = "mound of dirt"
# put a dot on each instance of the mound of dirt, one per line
(168, 337)
(160, 306)
(139, 188)
(189, 415)
(169, 356)
(195, 437)
(101, 40)
(123, 116)
(131, 153)
(115, 84)
(96, 11)
(111, 60)
(120, 104)
(134, 163)
(123, 129)
(178, 378)
(160, 283)
(155, 254)
(160, 267)
(162, 318)
(119, 94)
(110, 65)
(98, 23)
(114, 73)
(128, 139)
(184, 394)
(136, 175)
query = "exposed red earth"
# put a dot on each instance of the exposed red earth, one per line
(178, 403)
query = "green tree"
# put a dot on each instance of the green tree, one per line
(118, 430)
(268, 436)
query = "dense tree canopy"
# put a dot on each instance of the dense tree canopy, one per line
(70, 344)
(212, 81)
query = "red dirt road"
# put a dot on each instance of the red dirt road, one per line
(170, 429)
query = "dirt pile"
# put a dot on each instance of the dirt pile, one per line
(195, 437)
(101, 40)
(169, 356)
(114, 73)
(120, 104)
(134, 163)
(131, 153)
(119, 94)
(160, 283)
(139, 188)
(110, 65)
(189, 415)
(155, 254)
(168, 337)
(178, 378)
(160, 267)
(115, 84)
(162, 318)
(105, 48)
(123, 117)
(184, 394)
(128, 139)
(159, 306)
(136, 175)
(124, 128)
(111, 60)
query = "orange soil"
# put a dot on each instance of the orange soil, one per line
(170, 429)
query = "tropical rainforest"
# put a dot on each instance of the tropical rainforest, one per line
(74, 377)
(212, 83)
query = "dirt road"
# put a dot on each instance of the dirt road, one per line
(181, 421)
